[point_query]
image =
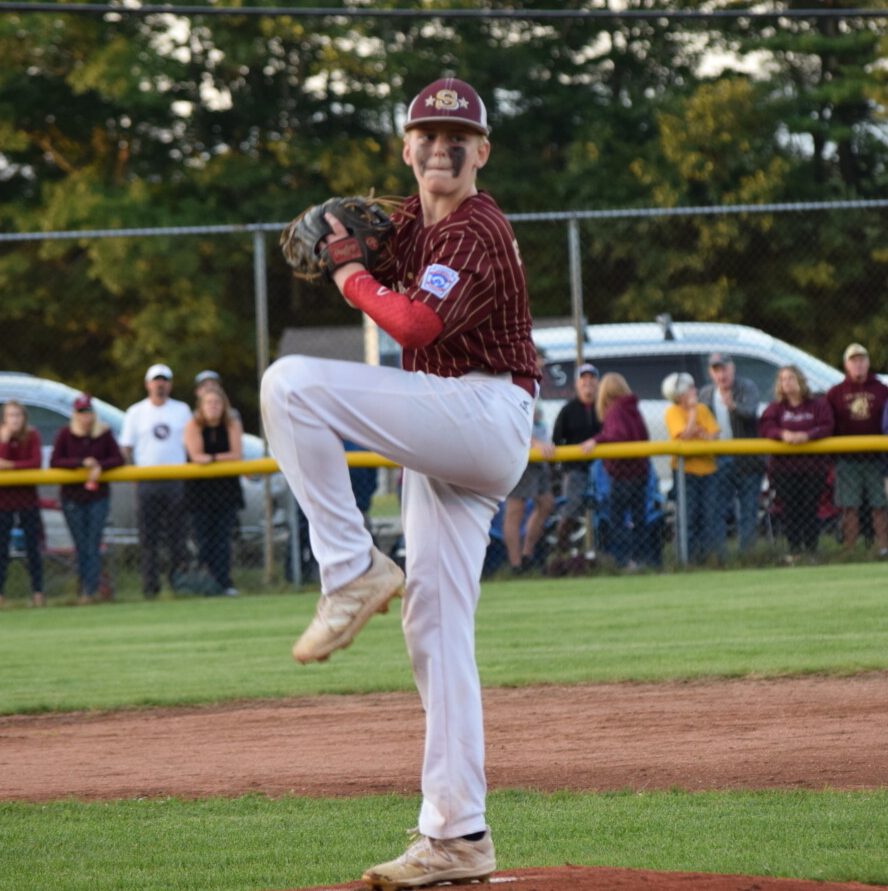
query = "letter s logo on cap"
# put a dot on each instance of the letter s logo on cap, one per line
(447, 100)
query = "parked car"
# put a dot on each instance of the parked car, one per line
(50, 405)
(646, 352)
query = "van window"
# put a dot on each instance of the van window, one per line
(645, 374)
(558, 380)
(762, 373)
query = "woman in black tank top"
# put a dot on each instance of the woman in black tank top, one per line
(213, 435)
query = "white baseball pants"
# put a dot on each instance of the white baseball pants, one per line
(463, 443)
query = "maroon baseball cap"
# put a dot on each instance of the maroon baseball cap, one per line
(83, 402)
(448, 99)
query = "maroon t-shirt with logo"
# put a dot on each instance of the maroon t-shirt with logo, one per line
(857, 409)
(468, 270)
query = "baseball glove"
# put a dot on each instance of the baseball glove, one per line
(369, 228)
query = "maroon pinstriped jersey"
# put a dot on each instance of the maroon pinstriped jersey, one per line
(468, 269)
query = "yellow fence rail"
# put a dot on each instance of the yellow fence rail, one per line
(832, 445)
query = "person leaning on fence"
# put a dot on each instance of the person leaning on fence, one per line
(86, 441)
(535, 485)
(617, 406)
(20, 450)
(857, 405)
(687, 419)
(576, 422)
(211, 435)
(734, 401)
(152, 436)
(796, 417)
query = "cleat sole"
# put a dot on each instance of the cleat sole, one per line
(384, 885)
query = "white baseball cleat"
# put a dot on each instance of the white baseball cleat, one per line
(429, 861)
(342, 613)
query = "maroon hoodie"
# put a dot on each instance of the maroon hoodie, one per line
(812, 417)
(624, 423)
(27, 456)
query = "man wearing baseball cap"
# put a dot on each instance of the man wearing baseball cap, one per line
(857, 404)
(734, 401)
(152, 435)
(576, 422)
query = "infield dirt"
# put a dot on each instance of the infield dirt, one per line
(809, 733)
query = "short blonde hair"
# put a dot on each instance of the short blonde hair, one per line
(97, 428)
(676, 385)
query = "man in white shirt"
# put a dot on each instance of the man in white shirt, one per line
(152, 435)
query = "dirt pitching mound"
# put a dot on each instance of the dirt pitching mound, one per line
(603, 878)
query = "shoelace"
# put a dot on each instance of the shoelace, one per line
(418, 843)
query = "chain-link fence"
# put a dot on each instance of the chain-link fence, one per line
(639, 293)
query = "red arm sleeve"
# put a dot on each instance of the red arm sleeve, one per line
(413, 325)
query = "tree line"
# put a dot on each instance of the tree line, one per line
(115, 121)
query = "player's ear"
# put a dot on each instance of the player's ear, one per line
(405, 152)
(483, 152)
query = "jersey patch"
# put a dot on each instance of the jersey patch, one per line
(439, 280)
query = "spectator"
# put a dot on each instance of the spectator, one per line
(687, 419)
(649, 538)
(617, 406)
(20, 450)
(735, 402)
(210, 378)
(858, 404)
(576, 422)
(535, 485)
(86, 442)
(796, 417)
(213, 435)
(152, 435)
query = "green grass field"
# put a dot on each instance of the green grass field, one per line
(829, 619)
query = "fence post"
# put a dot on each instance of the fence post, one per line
(576, 282)
(260, 284)
(681, 514)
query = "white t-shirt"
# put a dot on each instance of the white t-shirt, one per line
(155, 433)
(722, 415)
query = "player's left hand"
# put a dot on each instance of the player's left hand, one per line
(314, 248)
